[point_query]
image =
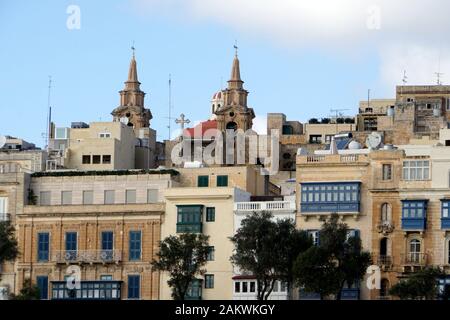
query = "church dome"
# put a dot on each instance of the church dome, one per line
(217, 96)
(216, 101)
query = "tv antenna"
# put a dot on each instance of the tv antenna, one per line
(405, 78)
(438, 78)
(170, 118)
(337, 113)
(47, 133)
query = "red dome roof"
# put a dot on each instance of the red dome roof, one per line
(205, 125)
(217, 95)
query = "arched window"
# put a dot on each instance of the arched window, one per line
(231, 125)
(386, 213)
(414, 251)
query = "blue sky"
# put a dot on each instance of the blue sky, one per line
(302, 69)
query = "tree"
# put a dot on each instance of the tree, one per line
(183, 257)
(337, 260)
(421, 285)
(325, 120)
(267, 249)
(29, 291)
(313, 121)
(8, 242)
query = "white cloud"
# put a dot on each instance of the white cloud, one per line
(410, 36)
(260, 124)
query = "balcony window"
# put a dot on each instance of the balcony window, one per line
(416, 170)
(42, 283)
(330, 197)
(135, 245)
(107, 253)
(189, 219)
(445, 214)
(414, 214)
(194, 291)
(71, 246)
(414, 254)
(43, 246)
(315, 138)
(134, 284)
(86, 159)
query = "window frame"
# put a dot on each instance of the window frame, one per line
(135, 245)
(412, 171)
(134, 287)
(210, 214)
(222, 181)
(43, 255)
(386, 171)
(209, 281)
(202, 181)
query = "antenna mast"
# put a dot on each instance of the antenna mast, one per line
(49, 115)
(170, 105)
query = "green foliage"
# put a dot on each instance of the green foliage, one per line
(29, 291)
(325, 120)
(421, 285)
(267, 249)
(349, 120)
(8, 242)
(313, 121)
(172, 172)
(183, 257)
(335, 261)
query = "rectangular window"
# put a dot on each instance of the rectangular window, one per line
(109, 197)
(209, 281)
(211, 254)
(414, 214)
(42, 284)
(416, 170)
(387, 171)
(314, 234)
(43, 246)
(203, 181)
(44, 198)
(252, 286)
(3, 208)
(106, 277)
(315, 138)
(237, 287)
(106, 159)
(370, 124)
(96, 159)
(222, 181)
(152, 195)
(66, 198)
(210, 214)
(86, 159)
(88, 197)
(445, 206)
(245, 287)
(134, 287)
(104, 135)
(135, 245)
(107, 240)
(71, 246)
(130, 196)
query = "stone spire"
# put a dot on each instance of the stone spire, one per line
(132, 101)
(132, 82)
(235, 81)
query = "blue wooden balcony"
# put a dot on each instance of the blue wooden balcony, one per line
(445, 223)
(330, 207)
(350, 294)
(87, 290)
(414, 223)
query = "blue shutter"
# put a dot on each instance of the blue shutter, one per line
(71, 241)
(107, 240)
(133, 287)
(135, 245)
(42, 283)
(43, 246)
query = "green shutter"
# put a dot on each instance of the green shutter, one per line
(222, 181)
(203, 181)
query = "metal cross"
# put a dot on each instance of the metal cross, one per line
(182, 121)
(236, 47)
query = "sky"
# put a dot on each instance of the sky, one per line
(298, 57)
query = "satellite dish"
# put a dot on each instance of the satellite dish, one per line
(374, 140)
(124, 120)
(2, 141)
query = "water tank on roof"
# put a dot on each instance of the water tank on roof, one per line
(354, 145)
(391, 111)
